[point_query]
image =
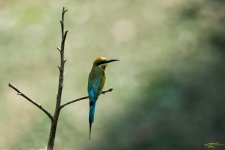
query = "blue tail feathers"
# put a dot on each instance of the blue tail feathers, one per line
(91, 116)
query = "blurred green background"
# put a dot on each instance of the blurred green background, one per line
(169, 85)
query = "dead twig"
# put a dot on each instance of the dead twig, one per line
(32, 101)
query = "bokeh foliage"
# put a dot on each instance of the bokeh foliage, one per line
(169, 85)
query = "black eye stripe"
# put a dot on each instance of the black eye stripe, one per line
(99, 63)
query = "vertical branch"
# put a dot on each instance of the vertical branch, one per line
(60, 85)
(62, 63)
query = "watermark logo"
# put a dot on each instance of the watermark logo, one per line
(212, 145)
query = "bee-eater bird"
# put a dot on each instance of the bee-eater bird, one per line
(96, 82)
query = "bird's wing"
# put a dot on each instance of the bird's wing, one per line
(95, 85)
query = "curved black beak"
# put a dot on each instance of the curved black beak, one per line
(106, 61)
(111, 60)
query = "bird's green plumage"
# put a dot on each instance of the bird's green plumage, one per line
(96, 82)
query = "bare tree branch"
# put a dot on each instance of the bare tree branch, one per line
(54, 118)
(83, 98)
(60, 85)
(30, 100)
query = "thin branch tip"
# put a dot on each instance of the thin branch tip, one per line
(10, 85)
(64, 10)
(109, 90)
(65, 34)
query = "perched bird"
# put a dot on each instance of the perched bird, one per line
(96, 82)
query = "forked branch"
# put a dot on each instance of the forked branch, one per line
(54, 118)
